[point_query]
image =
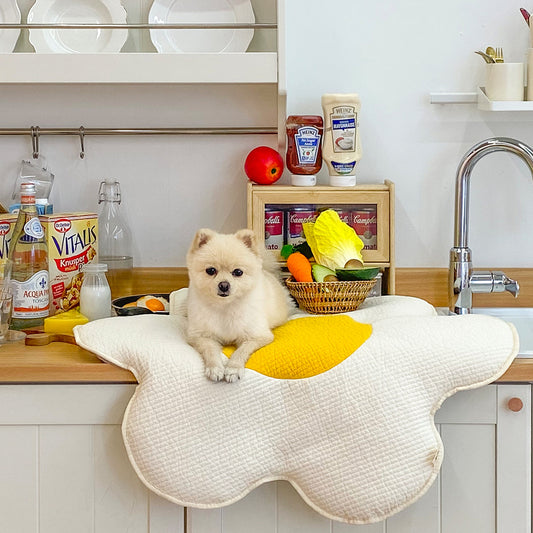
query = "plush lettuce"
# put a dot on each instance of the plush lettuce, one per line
(332, 241)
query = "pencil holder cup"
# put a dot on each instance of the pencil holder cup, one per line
(505, 81)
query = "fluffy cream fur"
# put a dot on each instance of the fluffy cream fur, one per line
(234, 298)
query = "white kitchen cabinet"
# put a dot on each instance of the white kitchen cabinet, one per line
(63, 468)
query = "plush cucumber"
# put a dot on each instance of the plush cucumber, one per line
(320, 273)
(351, 274)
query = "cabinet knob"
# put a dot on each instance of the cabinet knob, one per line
(515, 404)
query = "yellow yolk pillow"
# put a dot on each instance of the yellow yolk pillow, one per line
(308, 346)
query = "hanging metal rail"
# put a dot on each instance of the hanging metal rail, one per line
(35, 132)
(140, 131)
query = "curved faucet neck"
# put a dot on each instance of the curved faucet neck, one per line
(462, 183)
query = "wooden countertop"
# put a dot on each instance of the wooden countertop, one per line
(59, 362)
(65, 363)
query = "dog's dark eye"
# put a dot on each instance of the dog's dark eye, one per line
(237, 272)
(210, 271)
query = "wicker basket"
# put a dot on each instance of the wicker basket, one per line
(330, 297)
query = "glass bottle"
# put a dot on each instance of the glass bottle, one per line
(114, 238)
(95, 294)
(29, 254)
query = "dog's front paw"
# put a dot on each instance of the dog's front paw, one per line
(232, 373)
(215, 373)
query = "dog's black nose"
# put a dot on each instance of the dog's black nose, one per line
(223, 287)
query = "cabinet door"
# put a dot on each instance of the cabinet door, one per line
(513, 472)
(484, 483)
(64, 468)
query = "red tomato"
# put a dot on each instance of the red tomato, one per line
(263, 165)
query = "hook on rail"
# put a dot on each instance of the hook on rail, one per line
(35, 141)
(82, 141)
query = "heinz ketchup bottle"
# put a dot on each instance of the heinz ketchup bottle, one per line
(304, 150)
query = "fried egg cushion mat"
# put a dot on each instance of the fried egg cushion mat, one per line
(352, 429)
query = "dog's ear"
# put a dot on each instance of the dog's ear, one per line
(247, 236)
(202, 237)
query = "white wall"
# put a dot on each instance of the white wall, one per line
(392, 53)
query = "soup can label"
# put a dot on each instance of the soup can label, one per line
(274, 229)
(297, 217)
(364, 222)
(345, 215)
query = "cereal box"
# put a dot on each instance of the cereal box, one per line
(7, 225)
(72, 240)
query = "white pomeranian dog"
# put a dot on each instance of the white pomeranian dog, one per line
(234, 298)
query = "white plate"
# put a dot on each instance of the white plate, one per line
(199, 12)
(85, 41)
(9, 14)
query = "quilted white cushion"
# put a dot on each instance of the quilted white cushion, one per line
(358, 442)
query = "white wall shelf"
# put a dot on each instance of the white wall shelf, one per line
(485, 104)
(248, 67)
(480, 98)
(452, 98)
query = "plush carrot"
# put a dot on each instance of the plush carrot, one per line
(300, 267)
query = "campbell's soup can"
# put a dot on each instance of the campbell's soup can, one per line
(364, 222)
(345, 215)
(274, 226)
(297, 217)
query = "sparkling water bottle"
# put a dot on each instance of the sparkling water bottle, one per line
(29, 254)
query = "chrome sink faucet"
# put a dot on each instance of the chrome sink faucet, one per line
(462, 280)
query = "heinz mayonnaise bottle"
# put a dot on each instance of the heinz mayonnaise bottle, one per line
(342, 144)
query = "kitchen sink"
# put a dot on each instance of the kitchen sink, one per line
(521, 317)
